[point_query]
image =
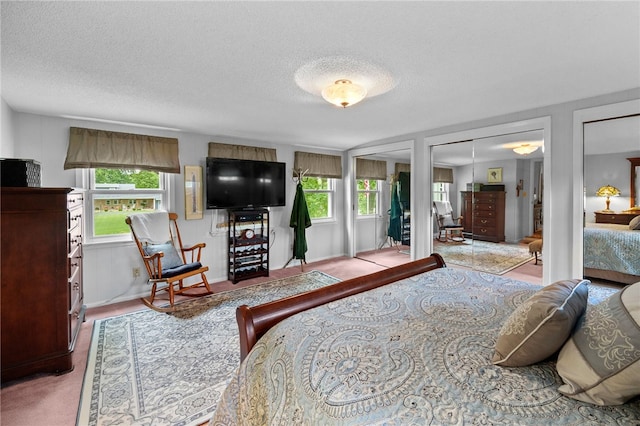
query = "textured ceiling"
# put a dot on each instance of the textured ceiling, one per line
(239, 68)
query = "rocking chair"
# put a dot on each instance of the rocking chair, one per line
(449, 228)
(168, 263)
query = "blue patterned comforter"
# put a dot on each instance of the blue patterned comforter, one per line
(417, 351)
(612, 248)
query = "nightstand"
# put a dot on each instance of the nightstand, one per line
(613, 217)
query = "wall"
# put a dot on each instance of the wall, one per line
(609, 169)
(108, 267)
(8, 133)
(559, 176)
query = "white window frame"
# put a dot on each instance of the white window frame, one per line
(443, 191)
(331, 208)
(87, 179)
(378, 196)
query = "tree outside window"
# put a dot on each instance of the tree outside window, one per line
(319, 194)
(368, 197)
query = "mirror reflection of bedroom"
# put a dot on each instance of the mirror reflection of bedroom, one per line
(383, 216)
(494, 189)
(611, 200)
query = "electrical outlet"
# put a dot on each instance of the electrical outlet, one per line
(136, 272)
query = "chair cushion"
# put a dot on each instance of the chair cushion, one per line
(172, 272)
(542, 324)
(171, 258)
(446, 220)
(600, 363)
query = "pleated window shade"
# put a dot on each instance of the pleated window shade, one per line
(241, 152)
(371, 169)
(91, 148)
(442, 175)
(402, 167)
(318, 165)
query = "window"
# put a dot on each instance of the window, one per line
(368, 197)
(440, 191)
(114, 194)
(319, 193)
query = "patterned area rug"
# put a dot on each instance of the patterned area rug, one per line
(487, 257)
(151, 368)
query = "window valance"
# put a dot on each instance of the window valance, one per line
(402, 167)
(91, 148)
(442, 175)
(241, 152)
(371, 169)
(318, 165)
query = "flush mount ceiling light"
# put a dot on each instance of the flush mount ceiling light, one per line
(525, 149)
(343, 80)
(344, 93)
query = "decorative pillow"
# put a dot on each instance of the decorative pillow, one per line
(447, 220)
(542, 324)
(600, 363)
(171, 258)
(635, 223)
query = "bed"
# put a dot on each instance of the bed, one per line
(409, 345)
(612, 252)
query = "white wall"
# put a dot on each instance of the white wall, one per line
(108, 267)
(559, 176)
(8, 134)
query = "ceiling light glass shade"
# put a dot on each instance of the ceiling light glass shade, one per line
(344, 93)
(525, 149)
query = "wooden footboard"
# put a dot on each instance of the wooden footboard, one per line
(254, 322)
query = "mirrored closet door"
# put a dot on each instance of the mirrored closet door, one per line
(495, 195)
(611, 170)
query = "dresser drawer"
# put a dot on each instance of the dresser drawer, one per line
(74, 239)
(74, 199)
(485, 222)
(484, 231)
(483, 214)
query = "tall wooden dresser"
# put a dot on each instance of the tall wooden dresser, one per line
(42, 297)
(483, 214)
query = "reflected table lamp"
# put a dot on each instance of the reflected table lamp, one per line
(608, 191)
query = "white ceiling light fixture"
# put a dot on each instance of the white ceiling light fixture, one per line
(343, 80)
(344, 93)
(525, 149)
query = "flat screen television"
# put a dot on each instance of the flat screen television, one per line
(237, 184)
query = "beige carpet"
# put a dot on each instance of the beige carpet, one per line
(152, 368)
(496, 258)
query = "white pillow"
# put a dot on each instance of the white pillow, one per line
(600, 363)
(634, 225)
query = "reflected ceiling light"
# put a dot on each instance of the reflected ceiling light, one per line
(608, 191)
(344, 93)
(525, 149)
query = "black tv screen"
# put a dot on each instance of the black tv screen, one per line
(236, 184)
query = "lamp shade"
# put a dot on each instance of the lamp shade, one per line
(344, 93)
(608, 191)
(525, 149)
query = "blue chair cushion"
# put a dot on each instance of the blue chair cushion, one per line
(172, 272)
(171, 258)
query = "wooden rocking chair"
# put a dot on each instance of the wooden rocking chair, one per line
(167, 262)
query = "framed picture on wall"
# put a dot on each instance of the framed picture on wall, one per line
(494, 175)
(193, 192)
